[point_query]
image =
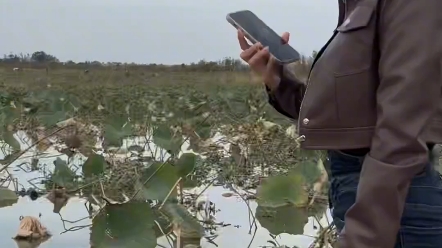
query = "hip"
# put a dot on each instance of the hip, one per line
(421, 223)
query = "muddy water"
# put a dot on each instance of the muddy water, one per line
(232, 211)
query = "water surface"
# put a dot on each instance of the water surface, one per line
(233, 212)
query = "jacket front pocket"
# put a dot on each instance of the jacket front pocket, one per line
(356, 79)
(356, 99)
(342, 84)
(351, 51)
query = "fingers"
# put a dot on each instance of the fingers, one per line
(250, 52)
(242, 41)
(272, 75)
(285, 37)
(271, 65)
(259, 57)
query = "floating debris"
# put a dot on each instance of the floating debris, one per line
(59, 198)
(227, 194)
(31, 229)
(31, 192)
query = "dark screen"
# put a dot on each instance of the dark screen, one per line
(264, 34)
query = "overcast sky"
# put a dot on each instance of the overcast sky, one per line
(154, 31)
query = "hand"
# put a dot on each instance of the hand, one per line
(261, 61)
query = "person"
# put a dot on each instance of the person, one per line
(373, 101)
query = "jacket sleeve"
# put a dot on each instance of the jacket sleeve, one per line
(410, 44)
(287, 97)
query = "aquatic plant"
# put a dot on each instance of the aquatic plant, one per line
(136, 152)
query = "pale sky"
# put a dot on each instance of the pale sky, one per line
(154, 31)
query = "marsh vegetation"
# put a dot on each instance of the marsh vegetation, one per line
(141, 146)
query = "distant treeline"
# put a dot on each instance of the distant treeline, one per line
(43, 60)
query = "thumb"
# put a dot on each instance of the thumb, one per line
(285, 37)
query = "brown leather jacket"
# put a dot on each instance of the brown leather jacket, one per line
(376, 84)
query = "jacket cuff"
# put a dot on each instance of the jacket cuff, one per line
(282, 87)
(374, 219)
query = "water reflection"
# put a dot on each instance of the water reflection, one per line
(133, 223)
(232, 211)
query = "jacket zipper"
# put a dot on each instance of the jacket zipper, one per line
(302, 137)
